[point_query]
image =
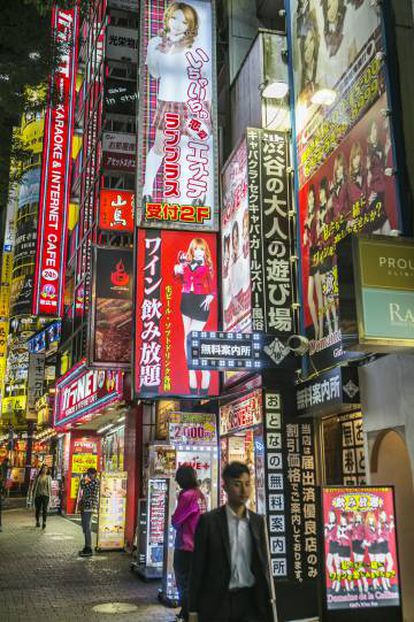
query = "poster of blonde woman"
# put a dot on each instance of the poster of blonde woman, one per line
(177, 143)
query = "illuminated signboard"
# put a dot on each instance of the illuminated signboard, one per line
(112, 302)
(346, 173)
(177, 150)
(176, 293)
(112, 511)
(55, 181)
(242, 413)
(116, 210)
(359, 528)
(83, 391)
(119, 151)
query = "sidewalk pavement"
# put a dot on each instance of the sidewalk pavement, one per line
(42, 578)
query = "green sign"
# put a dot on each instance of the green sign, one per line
(388, 314)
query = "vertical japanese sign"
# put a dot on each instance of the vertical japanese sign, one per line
(258, 288)
(35, 383)
(353, 453)
(112, 302)
(56, 164)
(275, 484)
(176, 293)
(360, 548)
(291, 493)
(345, 164)
(177, 140)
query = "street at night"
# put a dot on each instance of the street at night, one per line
(207, 310)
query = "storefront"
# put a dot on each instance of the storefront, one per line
(241, 439)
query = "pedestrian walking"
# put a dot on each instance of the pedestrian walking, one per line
(42, 492)
(2, 492)
(87, 504)
(191, 504)
(230, 574)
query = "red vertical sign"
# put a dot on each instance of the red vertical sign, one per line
(56, 162)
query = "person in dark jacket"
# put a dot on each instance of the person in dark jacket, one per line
(88, 503)
(42, 492)
(230, 573)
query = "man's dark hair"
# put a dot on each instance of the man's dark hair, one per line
(186, 477)
(91, 471)
(234, 470)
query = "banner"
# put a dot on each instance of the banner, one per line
(176, 293)
(56, 166)
(346, 171)
(360, 548)
(122, 44)
(112, 511)
(177, 152)
(35, 383)
(83, 391)
(258, 280)
(116, 210)
(112, 300)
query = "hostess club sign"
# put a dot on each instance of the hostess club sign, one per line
(82, 392)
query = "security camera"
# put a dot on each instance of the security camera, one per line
(298, 345)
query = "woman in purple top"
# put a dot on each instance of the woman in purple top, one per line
(191, 504)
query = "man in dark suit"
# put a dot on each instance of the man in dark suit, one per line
(230, 578)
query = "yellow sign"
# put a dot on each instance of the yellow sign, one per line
(4, 329)
(82, 462)
(74, 487)
(112, 511)
(10, 404)
(32, 135)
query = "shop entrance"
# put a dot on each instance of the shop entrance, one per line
(390, 464)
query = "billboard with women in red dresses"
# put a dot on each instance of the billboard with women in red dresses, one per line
(360, 548)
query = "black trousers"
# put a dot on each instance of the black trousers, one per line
(182, 567)
(240, 606)
(41, 503)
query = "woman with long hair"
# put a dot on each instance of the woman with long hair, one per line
(310, 239)
(167, 63)
(377, 155)
(191, 504)
(42, 493)
(371, 542)
(332, 558)
(344, 547)
(309, 42)
(385, 527)
(356, 185)
(196, 271)
(333, 16)
(327, 266)
(358, 549)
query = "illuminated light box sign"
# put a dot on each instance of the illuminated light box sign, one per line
(237, 351)
(112, 511)
(56, 167)
(177, 150)
(116, 210)
(111, 342)
(330, 392)
(176, 293)
(376, 291)
(193, 429)
(84, 391)
(242, 413)
(359, 526)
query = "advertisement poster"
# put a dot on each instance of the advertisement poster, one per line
(327, 39)
(352, 192)
(193, 429)
(162, 460)
(177, 142)
(56, 167)
(116, 210)
(113, 306)
(235, 244)
(361, 564)
(176, 294)
(157, 508)
(112, 511)
(346, 171)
